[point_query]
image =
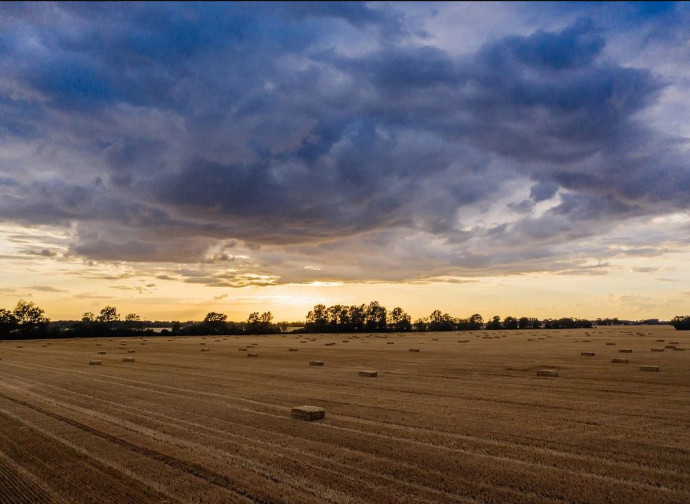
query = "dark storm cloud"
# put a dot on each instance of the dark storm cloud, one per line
(160, 129)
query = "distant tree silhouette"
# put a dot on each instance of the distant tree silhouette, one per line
(495, 323)
(399, 321)
(30, 318)
(421, 324)
(375, 317)
(510, 323)
(681, 323)
(108, 315)
(8, 322)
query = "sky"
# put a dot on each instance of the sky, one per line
(523, 159)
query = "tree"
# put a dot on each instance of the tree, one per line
(357, 316)
(375, 320)
(476, 322)
(266, 318)
(421, 325)
(495, 323)
(8, 322)
(214, 317)
(681, 323)
(399, 320)
(510, 323)
(88, 317)
(108, 315)
(29, 317)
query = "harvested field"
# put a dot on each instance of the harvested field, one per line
(455, 423)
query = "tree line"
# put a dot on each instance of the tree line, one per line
(374, 317)
(27, 320)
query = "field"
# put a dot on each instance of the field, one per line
(458, 421)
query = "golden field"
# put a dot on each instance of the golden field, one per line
(458, 421)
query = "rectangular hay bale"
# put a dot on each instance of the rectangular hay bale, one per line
(368, 374)
(649, 368)
(308, 413)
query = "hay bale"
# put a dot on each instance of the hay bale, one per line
(202, 343)
(531, 339)
(122, 348)
(307, 413)
(242, 349)
(547, 372)
(292, 349)
(329, 344)
(316, 363)
(610, 343)
(251, 354)
(101, 353)
(674, 342)
(657, 349)
(434, 339)
(390, 342)
(95, 363)
(625, 350)
(20, 346)
(587, 354)
(128, 359)
(463, 341)
(367, 374)
(660, 341)
(345, 341)
(679, 349)
(414, 349)
(670, 347)
(131, 351)
(653, 369)
(619, 361)
(205, 349)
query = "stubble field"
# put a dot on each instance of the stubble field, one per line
(458, 421)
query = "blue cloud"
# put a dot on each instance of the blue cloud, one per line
(278, 124)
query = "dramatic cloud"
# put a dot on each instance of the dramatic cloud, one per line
(267, 144)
